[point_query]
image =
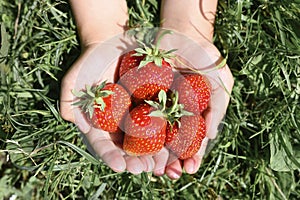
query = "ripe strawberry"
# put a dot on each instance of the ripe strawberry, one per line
(144, 134)
(129, 61)
(194, 91)
(146, 82)
(105, 105)
(184, 138)
(146, 71)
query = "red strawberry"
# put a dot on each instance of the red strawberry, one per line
(186, 140)
(105, 105)
(129, 61)
(194, 91)
(146, 71)
(144, 134)
(146, 82)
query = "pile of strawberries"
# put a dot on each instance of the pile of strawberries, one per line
(152, 104)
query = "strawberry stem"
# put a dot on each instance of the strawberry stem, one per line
(172, 113)
(153, 53)
(92, 98)
(160, 37)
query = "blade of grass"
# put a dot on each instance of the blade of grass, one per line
(86, 155)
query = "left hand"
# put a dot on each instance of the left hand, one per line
(195, 20)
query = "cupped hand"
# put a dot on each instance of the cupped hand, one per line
(98, 63)
(203, 57)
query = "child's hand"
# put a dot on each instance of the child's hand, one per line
(195, 21)
(91, 65)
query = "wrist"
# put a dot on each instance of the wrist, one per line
(193, 18)
(99, 20)
(197, 31)
(95, 35)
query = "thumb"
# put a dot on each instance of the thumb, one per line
(221, 88)
(215, 113)
(67, 109)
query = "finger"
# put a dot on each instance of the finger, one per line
(134, 165)
(160, 159)
(215, 113)
(105, 148)
(192, 165)
(66, 97)
(148, 162)
(67, 110)
(71, 113)
(174, 168)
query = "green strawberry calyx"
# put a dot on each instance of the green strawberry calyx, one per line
(152, 52)
(92, 98)
(171, 113)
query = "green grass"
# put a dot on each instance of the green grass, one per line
(257, 155)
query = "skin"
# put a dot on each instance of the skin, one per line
(197, 23)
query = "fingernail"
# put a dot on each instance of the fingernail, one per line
(190, 169)
(119, 168)
(159, 172)
(174, 176)
(138, 169)
(188, 165)
(150, 165)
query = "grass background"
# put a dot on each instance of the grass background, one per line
(257, 155)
